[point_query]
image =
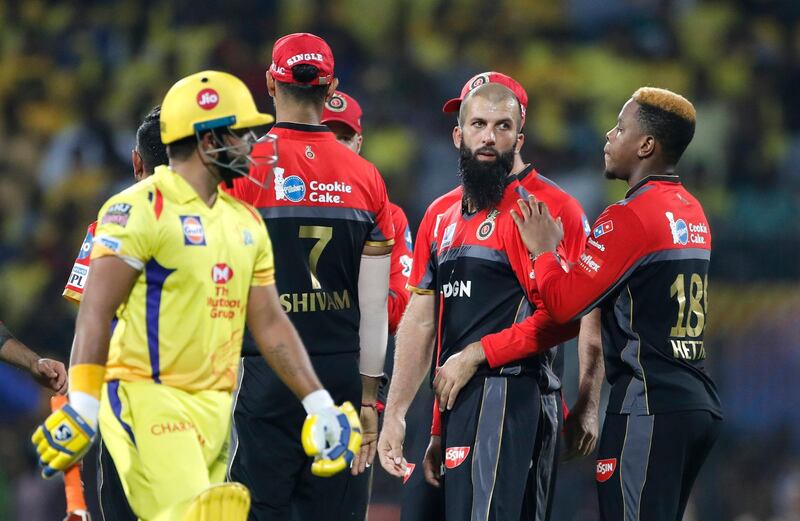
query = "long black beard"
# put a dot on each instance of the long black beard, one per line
(484, 181)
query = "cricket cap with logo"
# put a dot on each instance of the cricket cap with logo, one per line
(301, 48)
(208, 100)
(483, 78)
(344, 109)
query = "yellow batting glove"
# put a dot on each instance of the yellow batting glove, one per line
(333, 437)
(62, 440)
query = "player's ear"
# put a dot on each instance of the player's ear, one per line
(331, 89)
(138, 165)
(207, 143)
(646, 147)
(359, 142)
(457, 136)
(520, 142)
(270, 84)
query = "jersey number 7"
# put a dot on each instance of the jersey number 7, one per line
(323, 234)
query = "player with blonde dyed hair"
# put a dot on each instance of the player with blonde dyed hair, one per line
(646, 267)
(182, 264)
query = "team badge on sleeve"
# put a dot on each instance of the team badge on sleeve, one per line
(193, 232)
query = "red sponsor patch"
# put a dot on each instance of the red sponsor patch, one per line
(207, 99)
(221, 273)
(455, 456)
(605, 469)
(407, 473)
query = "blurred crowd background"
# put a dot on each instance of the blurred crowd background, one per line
(76, 78)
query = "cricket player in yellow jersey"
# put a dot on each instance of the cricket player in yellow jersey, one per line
(183, 264)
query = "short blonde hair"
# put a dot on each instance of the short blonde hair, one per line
(666, 100)
(668, 117)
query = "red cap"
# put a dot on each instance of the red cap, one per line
(483, 78)
(298, 48)
(344, 109)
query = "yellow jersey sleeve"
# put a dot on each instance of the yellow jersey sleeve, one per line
(126, 228)
(264, 270)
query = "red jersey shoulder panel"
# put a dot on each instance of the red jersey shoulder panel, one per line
(673, 217)
(314, 170)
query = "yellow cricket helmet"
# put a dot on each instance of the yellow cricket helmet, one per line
(207, 100)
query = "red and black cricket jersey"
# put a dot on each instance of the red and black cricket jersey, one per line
(646, 265)
(323, 205)
(478, 268)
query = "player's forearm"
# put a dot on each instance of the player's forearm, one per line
(17, 354)
(535, 334)
(590, 361)
(413, 354)
(92, 336)
(369, 389)
(281, 347)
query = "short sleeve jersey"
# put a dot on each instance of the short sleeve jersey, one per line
(182, 322)
(646, 267)
(322, 205)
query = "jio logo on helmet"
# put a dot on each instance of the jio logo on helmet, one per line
(207, 99)
(221, 273)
